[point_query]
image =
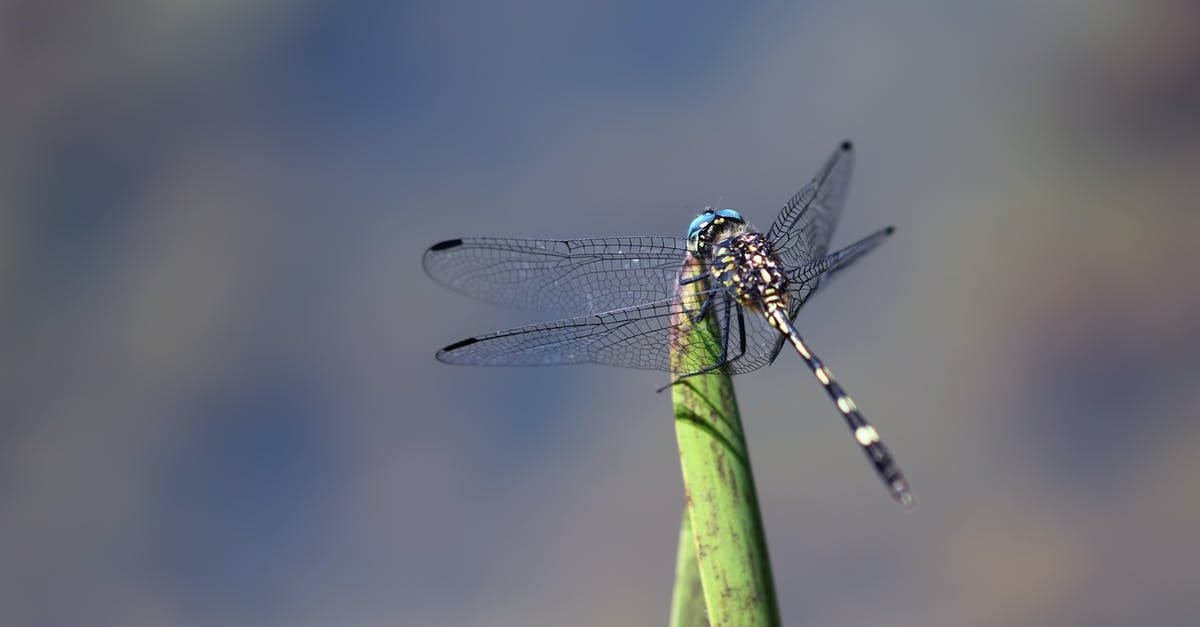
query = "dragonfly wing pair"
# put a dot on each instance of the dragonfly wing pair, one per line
(622, 290)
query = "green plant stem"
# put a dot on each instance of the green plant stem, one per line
(726, 528)
(687, 602)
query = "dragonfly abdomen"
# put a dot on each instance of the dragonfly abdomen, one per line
(865, 434)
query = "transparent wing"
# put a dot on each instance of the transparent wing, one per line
(807, 280)
(633, 337)
(801, 233)
(560, 276)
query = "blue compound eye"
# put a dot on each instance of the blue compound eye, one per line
(699, 223)
(730, 214)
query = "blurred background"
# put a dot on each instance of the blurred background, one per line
(218, 398)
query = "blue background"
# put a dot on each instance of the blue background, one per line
(218, 398)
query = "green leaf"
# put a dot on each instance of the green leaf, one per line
(687, 602)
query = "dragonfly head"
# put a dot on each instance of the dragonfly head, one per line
(712, 226)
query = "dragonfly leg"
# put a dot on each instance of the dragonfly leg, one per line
(699, 315)
(724, 356)
(741, 332)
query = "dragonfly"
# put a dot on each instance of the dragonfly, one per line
(634, 301)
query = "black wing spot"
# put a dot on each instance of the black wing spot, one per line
(450, 243)
(889, 230)
(457, 345)
(847, 146)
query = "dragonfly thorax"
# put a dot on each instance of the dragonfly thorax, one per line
(745, 265)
